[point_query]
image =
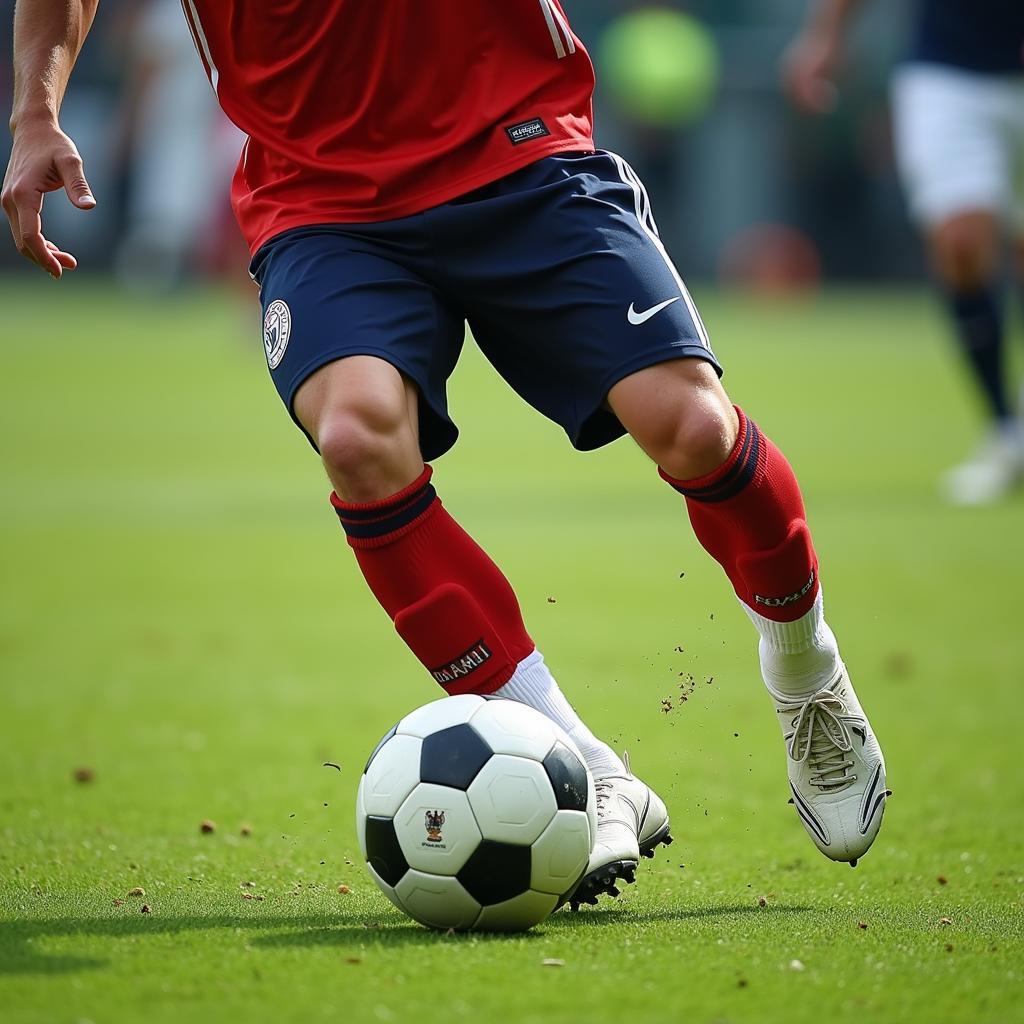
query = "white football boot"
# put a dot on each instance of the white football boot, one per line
(994, 470)
(836, 769)
(631, 821)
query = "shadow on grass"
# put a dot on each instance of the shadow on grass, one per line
(612, 915)
(18, 939)
(19, 953)
(565, 921)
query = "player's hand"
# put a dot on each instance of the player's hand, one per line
(809, 70)
(43, 159)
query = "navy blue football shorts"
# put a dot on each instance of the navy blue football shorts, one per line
(557, 268)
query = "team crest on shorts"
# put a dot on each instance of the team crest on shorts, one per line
(277, 329)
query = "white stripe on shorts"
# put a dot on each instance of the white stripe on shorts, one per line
(647, 214)
(642, 205)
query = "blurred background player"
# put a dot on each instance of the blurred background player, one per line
(178, 148)
(958, 108)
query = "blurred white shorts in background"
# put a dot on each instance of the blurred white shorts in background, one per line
(960, 142)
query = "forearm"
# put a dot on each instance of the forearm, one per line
(48, 36)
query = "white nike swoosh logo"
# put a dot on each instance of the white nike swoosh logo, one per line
(636, 318)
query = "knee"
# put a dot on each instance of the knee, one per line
(680, 416)
(368, 449)
(963, 253)
(696, 440)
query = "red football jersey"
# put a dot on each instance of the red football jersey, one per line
(366, 110)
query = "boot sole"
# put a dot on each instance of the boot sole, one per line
(602, 881)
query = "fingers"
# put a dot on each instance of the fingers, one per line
(24, 219)
(24, 212)
(43, 159)
(72, 173)
(65, 259)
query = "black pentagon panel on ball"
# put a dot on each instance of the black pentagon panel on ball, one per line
(383, 853)
(496, 872)
(453, 756)
(568, 777)
(376, 750)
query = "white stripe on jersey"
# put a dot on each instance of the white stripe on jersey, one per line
(555, 21)
(192, 17)
(642, 205)
(564, 25)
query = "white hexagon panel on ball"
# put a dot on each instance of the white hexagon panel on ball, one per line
(510, 727)
(517, 914)
(512, 799)
(436, 829)
(391, 775)
(560, 856)
(440, 714)
(436, 901)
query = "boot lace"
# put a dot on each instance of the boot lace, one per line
(604, 785)
(822, 739)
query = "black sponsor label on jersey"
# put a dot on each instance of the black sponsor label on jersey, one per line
(526, 130)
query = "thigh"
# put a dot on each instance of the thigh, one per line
(569, 287)
(951, 144)
(330, 293)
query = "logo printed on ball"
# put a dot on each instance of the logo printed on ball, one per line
(432, 822)
(277, 329)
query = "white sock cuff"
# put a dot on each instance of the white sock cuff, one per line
(533, 684)
(530, 662)
(791, 637)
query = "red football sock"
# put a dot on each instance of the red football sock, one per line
(449, 602)
(749, 516)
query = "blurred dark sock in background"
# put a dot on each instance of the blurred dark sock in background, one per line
(979, 323)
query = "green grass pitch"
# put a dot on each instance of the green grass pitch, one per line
(181, 616)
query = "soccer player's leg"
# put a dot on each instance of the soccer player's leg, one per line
(1018, 270)
(965, 250)
(448, 600)
(600, 334)
(747, 511)
(360, 348)
(1016, 225)
(953, 132)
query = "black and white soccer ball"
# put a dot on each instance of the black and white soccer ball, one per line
(476, 813)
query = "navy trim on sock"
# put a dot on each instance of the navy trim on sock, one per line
(378, 522)
(736, 479)
(380, 510)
